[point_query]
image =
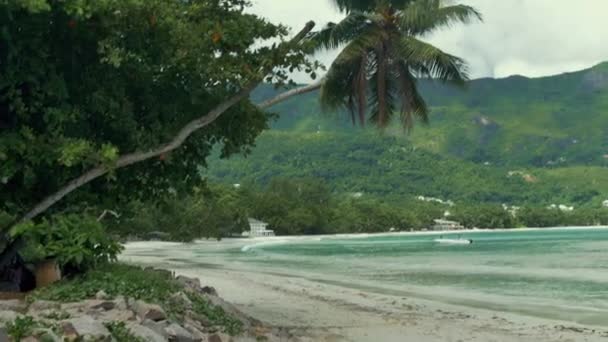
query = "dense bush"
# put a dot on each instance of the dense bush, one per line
(76, 242)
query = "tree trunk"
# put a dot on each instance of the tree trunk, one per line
(11, 250)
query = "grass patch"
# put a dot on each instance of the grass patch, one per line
(114, 279)
(21, 327)
(121, 333)
(135, 282)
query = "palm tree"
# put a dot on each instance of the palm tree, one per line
(383, 56)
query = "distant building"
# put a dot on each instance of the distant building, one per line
(258, 228)
(446, 225)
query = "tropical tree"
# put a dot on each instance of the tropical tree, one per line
(90, 87)
(375, 74)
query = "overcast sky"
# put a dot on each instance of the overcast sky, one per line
(518, 37)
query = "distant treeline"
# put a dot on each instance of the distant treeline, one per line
(307, 206)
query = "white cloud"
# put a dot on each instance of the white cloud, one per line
(525, 37)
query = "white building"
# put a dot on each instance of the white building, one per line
(446, 225)
(258, 228)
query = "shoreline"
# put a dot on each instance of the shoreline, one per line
(313, 307)
(314, 311)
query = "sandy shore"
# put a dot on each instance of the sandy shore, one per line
(312, 311)
(308, 309)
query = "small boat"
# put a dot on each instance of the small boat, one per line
(454, 241)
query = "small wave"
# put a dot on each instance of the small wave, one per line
(264, 243)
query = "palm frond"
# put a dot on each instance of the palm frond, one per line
(348, 6)
(345, 71)
(413, 105)
(429, 61)
(424, 16)
(334, 35)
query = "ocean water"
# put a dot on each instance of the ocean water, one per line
(552, 273)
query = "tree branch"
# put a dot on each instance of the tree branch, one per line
(291, 93)
(136, 157)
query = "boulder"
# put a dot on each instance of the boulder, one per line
(145, 333)
(114, 315)
(96, 304)
(209, 290)
(149, 311)
(13, 305)
(3, 335)
(196, 332)
(101, 295)
(47, 335)
(41, 305)
(178, 334)
(121, 303)
(181, 299)
(191, 283)
(158, 327)
(86, 328)
(7, 316)
(218, 338)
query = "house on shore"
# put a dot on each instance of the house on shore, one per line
(258, 228)
(441, 224)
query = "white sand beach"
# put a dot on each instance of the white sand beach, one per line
(308, 309)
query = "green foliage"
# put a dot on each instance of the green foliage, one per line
(210, 214)
(21, 327)
(82, 82)
(76, 242)
(149, 285)
(120, 332)
(215, 314)
(114, 279)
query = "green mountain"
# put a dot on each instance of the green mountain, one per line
(513, 140)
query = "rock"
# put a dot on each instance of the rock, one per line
(30, 339)
(192, 283)
(218, 338)
(149, 311)
(121, 303)
(47, 335)
(181, 299)
(158, 327)
(101, 295)
(145, 333)
(114, 315)
(13, 305)
(95, 304)
(85, 327)
(209, 290)
(196, 333)
(178, 334)
(202, 320)
(41, 305)
(7, 316)
(3, 335)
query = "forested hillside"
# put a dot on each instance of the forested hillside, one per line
(515, 140)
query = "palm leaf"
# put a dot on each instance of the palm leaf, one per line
(334, 35)
(348, 6)
(424, 16)
(413, 105)
(428, 61)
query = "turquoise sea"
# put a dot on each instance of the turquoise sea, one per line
(552, 273)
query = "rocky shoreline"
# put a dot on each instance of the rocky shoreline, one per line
(101, 318)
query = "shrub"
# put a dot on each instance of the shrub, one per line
(77, 242)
